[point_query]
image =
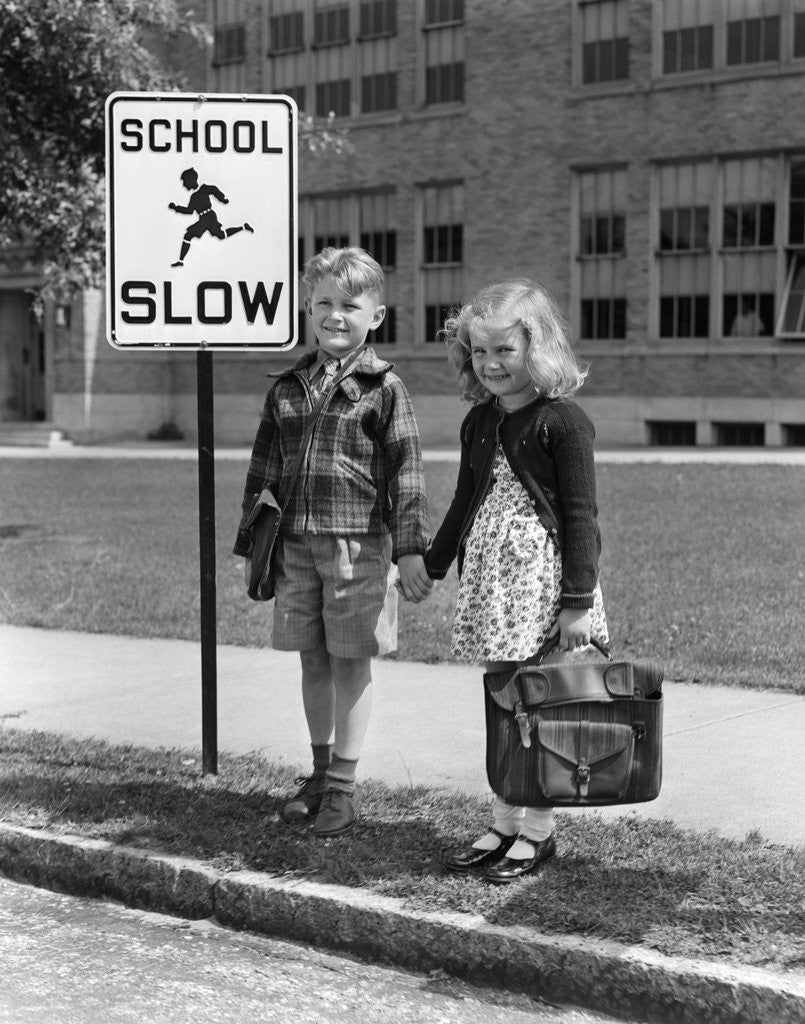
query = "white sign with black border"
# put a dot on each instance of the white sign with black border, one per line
(201, 221)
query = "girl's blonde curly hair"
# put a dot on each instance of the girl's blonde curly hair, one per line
(500, 308)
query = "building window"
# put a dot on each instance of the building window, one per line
(386, 333)
(799, 34)
(286, 32)
(603, 234)
(743, 435)
(443, 36)
(444, 83)
(685, 193)
(601, 248)
(382, 245)
(442, 253)
(753, 40)
(748, 225)
(444, 243)
(604, 41)
(229, 44)
(378, 18)
(435, 316)
(794, 435)
(603, 318)
(702, 35)
(791, 321)
(333, 98)
(687, 49)
(749, 259)
(678, 433)
(379, 92)
(331, 25)
(684, 316)
(444, 12)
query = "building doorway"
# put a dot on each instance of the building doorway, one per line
(22, 359)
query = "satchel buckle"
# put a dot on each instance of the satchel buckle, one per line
(583, 774)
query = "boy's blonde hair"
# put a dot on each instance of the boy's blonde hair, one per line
(503, 307)
(354, 270)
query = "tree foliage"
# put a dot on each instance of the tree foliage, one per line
(59, 60)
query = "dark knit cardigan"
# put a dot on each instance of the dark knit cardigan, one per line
(549, 445)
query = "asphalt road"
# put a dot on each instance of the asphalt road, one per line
(71, 960)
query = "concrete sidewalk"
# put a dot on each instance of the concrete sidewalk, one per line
(733, 758)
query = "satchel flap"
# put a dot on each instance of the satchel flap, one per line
(265, 499)
(569, 682)
(579, 743)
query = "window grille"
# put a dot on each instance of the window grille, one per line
(604, 41)
(333, 98)
(753, 40)
(331, 25)
(601, 247)
(443, 12)
(442, 253)
(685, 194)
(743, 435)
(386, 333)
(229, 44)
(443, 41)
(794, 435)
(378, 18)
(379, 92)
(678, 433)
(286, 32)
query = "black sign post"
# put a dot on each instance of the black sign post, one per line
(169, 286)
(206, 536)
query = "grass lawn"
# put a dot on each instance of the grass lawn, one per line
(638, 881)
(701, 566)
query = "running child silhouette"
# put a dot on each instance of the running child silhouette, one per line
(522, 523)
(200, 203)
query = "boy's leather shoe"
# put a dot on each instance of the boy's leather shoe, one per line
(336, 813)
(508, 869)
(304, 804)
(471, 857)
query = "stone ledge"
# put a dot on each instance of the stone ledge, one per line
(597, 974)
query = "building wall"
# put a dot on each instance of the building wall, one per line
(519, 144)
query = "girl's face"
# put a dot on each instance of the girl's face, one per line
(499, 362)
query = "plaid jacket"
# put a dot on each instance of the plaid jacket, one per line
(363, 473)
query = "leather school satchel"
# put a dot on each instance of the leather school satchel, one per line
(575, 729)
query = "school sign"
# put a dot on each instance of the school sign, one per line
(201, 221)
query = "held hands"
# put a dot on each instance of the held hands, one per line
(414, 583)
(573, 627)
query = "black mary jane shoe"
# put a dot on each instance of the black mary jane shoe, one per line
(471, 857)
(509, 870)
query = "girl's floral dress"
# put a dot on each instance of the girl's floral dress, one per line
(508, 595)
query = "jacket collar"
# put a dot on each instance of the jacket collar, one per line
(367, 363)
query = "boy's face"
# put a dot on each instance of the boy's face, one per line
(340, 321)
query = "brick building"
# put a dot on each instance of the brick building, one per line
(639, 158)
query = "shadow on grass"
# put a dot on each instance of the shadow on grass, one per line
(631, 879)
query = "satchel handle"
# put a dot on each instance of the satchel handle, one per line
(552, 643)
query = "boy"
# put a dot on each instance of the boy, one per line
(358, 505)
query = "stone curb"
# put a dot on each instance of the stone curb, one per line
(597, 974)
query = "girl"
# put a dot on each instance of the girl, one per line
(522, 522)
